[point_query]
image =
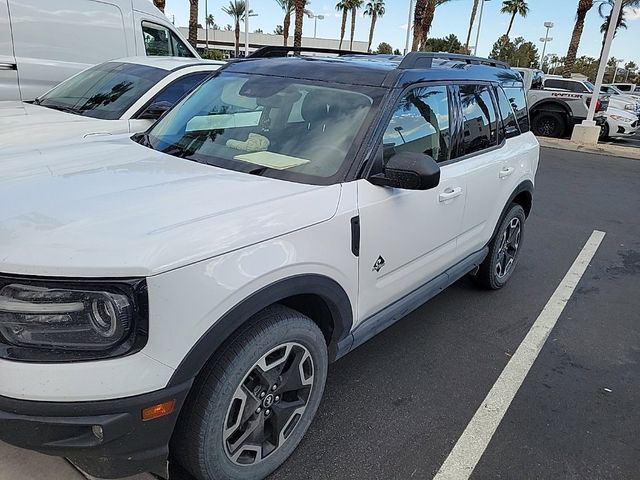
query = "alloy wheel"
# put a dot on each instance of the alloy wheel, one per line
(508, 249)
(268, 404)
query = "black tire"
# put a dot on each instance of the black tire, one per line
(214, 406)
(549, 124)
(604, 132)
(493, 272)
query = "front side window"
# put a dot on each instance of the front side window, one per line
(105, 91)
(479, 119)
(420, 124)
(265, 125)
(507, 115)
(160, 41)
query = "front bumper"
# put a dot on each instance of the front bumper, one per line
(128, 445)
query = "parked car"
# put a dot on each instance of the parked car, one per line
(557, 104)
(626, 97)
(619, 124)
(189, 286)
(627, 87)
(121, 96)
(43, 42)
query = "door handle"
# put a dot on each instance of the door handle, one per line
(449, 194)
(8, 66)
(506, 171)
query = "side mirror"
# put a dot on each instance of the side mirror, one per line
(155, 111)
(410, 171)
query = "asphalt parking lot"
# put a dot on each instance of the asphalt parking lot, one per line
(395, 407)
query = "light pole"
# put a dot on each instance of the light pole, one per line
(246, 28)
(546, 39)
(615, 70)
(406, 45)
(475, 47)
(315, 23)
(206, 25)
(588, 132)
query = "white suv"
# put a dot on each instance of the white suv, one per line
(179, 295)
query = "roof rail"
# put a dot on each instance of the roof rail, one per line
(280, 51)
(425, 60)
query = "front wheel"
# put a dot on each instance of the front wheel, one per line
(253, 403)
(604, 131)
(504, 250)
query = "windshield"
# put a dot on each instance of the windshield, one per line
(105, 91)
(281, 127)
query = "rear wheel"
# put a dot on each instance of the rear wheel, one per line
(504, 250)
(255, 400)
(549, 124)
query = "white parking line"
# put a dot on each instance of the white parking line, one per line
(474, 440)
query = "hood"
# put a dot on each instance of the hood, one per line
(38, 124)
(113, 208)
(622, 113)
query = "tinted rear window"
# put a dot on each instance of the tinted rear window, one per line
(519, 103)
(105, 91)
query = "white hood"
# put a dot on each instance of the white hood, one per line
(24, 124)
(113, 208)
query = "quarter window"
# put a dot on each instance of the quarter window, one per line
(420, 124)
(160, 41)
(507, 115)
(518, 101)
(479, 119)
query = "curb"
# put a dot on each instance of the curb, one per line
(600, 149)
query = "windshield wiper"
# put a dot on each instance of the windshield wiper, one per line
(62, 108)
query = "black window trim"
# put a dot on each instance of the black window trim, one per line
(143, 21)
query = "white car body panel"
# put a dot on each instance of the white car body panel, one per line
(615, 122)
(105, 29)
(26, 125)
(113, 208)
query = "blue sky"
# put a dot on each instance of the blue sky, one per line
(452, 17)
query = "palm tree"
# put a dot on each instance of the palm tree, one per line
(583, 8)
(159, 4)
(289, 8)
(210, 23)
(299, 11)
(375, 9)
(621, 23)
(236, 10)
(474, 9)
(343, 6)
(513, 8)
(193, 23)
(423, 18)
(355, 5)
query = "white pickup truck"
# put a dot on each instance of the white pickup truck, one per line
(556, 103)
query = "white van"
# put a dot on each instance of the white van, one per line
(44, 42)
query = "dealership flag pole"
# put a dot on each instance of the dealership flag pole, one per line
(246, 28)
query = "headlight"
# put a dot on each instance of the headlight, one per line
(620, 118)
(59, 322)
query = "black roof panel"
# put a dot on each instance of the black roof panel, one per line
(372, 70)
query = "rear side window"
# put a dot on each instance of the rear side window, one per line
(420, 124)
(509, 126)
(480, 125)
(160, 41)
(518, 102)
